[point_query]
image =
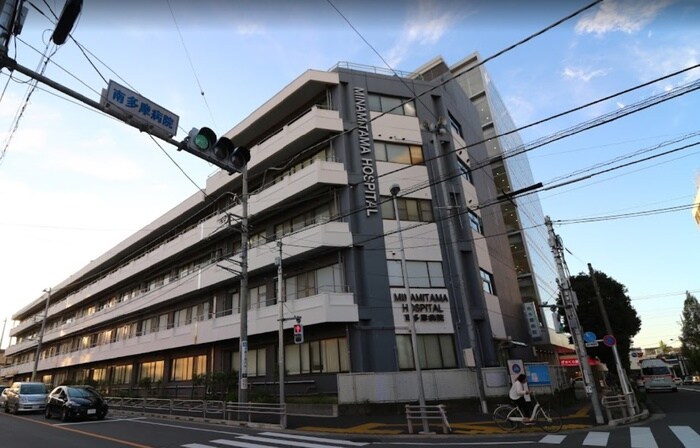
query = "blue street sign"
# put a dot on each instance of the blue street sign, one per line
(589, 336)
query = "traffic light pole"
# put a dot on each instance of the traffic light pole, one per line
(12, 65)
(572, 319)
(280, 354)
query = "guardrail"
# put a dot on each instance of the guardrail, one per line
(622, 409)
(429, 412)
(240, 412)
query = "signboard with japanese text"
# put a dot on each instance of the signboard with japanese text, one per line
(431, 310)
(137, 109)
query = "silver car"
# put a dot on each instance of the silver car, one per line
(26, 397)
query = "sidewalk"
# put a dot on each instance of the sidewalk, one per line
(462, 422)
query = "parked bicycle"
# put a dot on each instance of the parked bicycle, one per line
(509, 417)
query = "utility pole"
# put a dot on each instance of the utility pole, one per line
(280, 355)
(411, 319)
(626, 389)
(243, 339)
(572, 318)
(41, 333)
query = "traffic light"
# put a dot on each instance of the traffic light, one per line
(70, 13)
(298, 333)
(222, 152)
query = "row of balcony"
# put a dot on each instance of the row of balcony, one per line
(316, 309)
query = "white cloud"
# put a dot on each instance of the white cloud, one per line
(627, 16)
(581, 74)
(250, 29)
(425, 27)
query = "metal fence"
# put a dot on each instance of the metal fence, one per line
(243, 413)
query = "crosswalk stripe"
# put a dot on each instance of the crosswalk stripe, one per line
(552, 439)
(197, 445)
(688, 437)
(642, 438)
(596, 438)
(314, 439)
(238, 444)
(285, 442)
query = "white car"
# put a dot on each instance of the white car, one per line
(678, 381)
(3, 398)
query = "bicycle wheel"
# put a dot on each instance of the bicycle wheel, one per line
(500, 417)
(549, 420)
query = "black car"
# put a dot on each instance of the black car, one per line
(69, 402)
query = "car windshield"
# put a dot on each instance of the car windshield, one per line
(655, 371)
(81, 392)
(32, 389)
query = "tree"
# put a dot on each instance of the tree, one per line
(623, 317)
(690, 332)
(663, 347)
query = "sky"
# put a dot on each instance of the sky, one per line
(75, 182)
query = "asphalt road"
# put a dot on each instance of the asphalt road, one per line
(675, 423)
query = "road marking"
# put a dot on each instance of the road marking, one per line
(688, 437)
(284, 442)
(89, 434)
(596, 438)
(552, 439)
(189, 428)
(236, 443)
(642, 438)
(197, 445)
(314, 439)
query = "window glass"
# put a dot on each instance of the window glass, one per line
(405, 353)
(431, 347)
(447, 350)
(426, 211)
(380, 151)
(436, 276)
(416, 155)
(392, 105)
(330, 359)
(292, 359)
(487, 282)
(374, 103)
(409, 109)
(395, 273)
(418, 274)
(398, 154)
(387, 207)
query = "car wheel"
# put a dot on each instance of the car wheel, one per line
(47, 413)
(64, 415)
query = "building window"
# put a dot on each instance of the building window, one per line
(152, 370)
(185, 369)
(324, 356)
(421, 274)
(409, 209)
(465, 170)
(391, 105)
(326, 279)
(455, 126)
(487, 282)
(257, 362)
(435, 351)
(475, 222)
(122, 374)
(396, 153)
(318, 215)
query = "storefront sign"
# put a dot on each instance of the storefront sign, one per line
(431, 310)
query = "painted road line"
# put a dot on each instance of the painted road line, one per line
(552, 439)
(285, 442)
(642, 438)
(596, 439)
(236, 443)
(688, 437)
(313, 439)
(197, 445)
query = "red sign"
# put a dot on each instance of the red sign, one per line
(573, 362)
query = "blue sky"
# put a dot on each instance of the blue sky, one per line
(73, 182)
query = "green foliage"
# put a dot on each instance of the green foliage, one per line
(690, 332)
(623, 317)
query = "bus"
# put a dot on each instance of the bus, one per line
(657, 375)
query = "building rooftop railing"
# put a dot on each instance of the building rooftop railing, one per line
(376, 70)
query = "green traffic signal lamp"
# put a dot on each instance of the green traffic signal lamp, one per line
(202, 142)
(201, 139)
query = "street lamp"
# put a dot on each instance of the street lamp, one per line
(411, 322)
(41, 333)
